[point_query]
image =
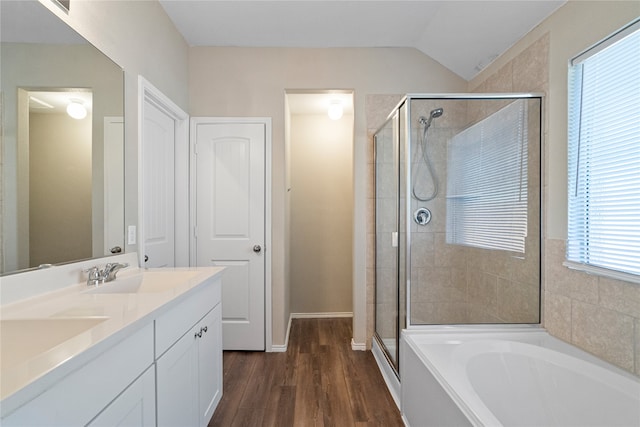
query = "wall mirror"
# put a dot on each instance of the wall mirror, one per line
(62, 178)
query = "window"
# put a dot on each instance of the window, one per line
(604, 158)
(487, 182)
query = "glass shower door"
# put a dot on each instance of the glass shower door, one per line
(386, 232)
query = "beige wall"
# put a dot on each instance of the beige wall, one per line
(252, 82)
(321, 214)
(597, 314)
(60, 188)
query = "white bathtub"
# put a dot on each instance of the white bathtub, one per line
(510, 377)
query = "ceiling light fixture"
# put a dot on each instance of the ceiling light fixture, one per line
(335, 110)
(76, 110)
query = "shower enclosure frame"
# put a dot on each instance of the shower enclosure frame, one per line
(403, 314)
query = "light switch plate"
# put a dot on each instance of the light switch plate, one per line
(131, 235)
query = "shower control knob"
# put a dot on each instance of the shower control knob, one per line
(422, 216)
(257, 249)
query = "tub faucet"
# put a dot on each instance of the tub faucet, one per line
(111, 269)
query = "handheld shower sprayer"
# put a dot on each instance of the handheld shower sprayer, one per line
(433, 115)
(426, 122)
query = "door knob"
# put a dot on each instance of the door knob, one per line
(116, 250)
(257, 249)
(146, 258)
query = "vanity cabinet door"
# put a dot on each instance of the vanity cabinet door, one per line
(189, 374)
(135, 407)
(177, 383)
(210, 364)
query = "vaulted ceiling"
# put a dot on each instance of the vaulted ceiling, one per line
(464, 36)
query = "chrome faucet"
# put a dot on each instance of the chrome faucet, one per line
(107, 274)
(94, 278)
(111, 269)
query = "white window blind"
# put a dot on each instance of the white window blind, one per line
(604, 155)
(487, 182)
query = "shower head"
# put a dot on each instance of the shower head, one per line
(434, 114)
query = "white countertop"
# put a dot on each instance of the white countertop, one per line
(46, 336)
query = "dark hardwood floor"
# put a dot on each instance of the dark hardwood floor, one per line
(319, 381)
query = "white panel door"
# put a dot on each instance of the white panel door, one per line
(230, 218)
(158, 146)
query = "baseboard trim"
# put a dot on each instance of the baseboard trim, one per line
(320, 315)
(283, 347)
(358, 346)
(279, 348)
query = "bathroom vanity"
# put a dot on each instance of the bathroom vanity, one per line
(144, 350)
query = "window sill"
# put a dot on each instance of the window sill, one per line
(604, 272)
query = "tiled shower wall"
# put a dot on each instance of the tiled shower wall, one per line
(386, 260)
(456, 284)
(438, 273)
(377, 109)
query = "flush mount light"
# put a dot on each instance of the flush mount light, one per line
(76, 110)
(335, 110)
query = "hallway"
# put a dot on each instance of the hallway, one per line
(319, 381)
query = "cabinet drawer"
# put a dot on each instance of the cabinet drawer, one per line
(171, 325)
(78, 397)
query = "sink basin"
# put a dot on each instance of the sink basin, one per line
(145, 283)
(23, 339)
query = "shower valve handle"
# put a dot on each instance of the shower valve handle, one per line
(422, 216)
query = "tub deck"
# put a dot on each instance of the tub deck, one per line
(510, 376)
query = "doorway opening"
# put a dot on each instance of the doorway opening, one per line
(59, 164)
(320, 200)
